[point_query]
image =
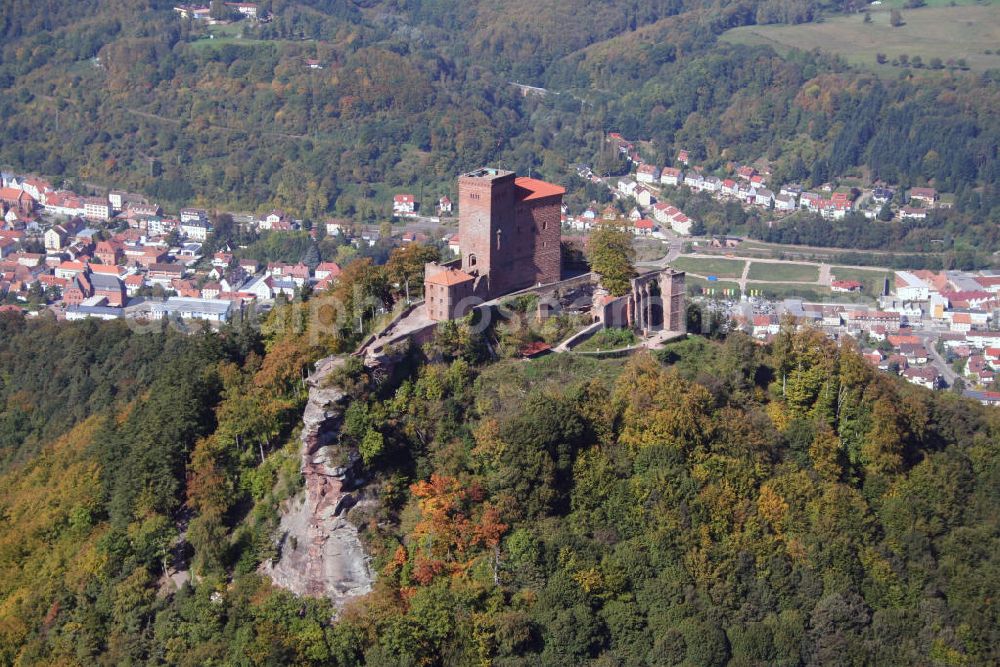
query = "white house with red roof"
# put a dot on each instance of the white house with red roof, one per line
(326, 270)
(404, 205)
(670, 176)
(643, 195)
(785, 203)
(926, 196)
(681, 224)
(912, 213)
(647, 173)
(845, 286)
(644, 227)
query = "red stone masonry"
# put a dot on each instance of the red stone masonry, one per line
(509, 230)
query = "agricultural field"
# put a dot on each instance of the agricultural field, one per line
(722, 268)
(963, 32)
(795, 273)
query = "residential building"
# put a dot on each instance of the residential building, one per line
(55, 238)
(670, 176)
(643, 195)
(882, 196)
(133, 283)
(248, 9)
(64, 203)
(785, 203)
(694, 180)
(336, 227)
(193, 215)
(764, 197)
(404, 205)
(140, 209)
(69, 270)
(212, 310)
(627, 186)
(681, 224)
(864, 320)
(909, 287)
(911, 213)
(846, 286)
(18, 200)
(644, 227)
(164, 274)
(326, 270)
(647, 173)
(926, 377)
(109, 252)
(925, 196)
(196, 230)
(97, 208)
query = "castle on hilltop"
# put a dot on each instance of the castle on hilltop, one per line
(509, 240)
(509, 232)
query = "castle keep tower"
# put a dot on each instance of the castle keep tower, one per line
(485, 214)
(509, 231)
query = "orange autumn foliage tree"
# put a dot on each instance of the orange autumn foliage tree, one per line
(454, 526)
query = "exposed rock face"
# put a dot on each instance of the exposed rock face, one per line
(320, 552)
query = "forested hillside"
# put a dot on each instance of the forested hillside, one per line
(116, 94)
(717, 503)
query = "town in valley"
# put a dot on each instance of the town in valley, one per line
(119, 255)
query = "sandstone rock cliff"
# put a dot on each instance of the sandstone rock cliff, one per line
(320, 553)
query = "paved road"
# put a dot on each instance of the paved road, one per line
(929, 338)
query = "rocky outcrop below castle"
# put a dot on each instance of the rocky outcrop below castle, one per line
(320, 552)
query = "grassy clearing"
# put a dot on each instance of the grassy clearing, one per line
(857, 273)
(871, 279)
(722, 268)
(648, 250)
(943, 31)
(232, 34)
(801, 273)
(806, 293)
(786, 291)
(608, 339)
(219, 42)
(503, 381)
(700, 286)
